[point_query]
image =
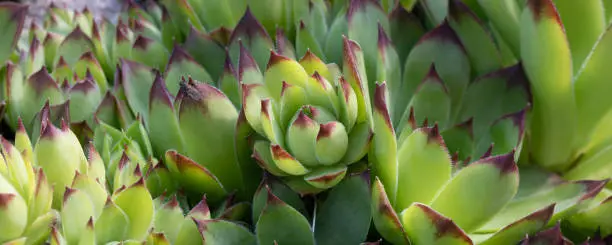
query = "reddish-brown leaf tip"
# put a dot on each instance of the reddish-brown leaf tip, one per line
(284, 87)
(444, 33)
(518, 119)
(49, 131)
(139, 183)
(434, 136)
(281, 41)
(201, 207)
(221, 35)
(85, 86)
(543, 9)
(77, 34)
(275, 58)
(137, 171)
(346, 88)
(592, 187)
(325, 130)
(303, 120)
(68, 192)
(280, 153)
(265, 107)
(159, 92)
(310, 56)
(328, 177)
(42, 80)
(358, 6)
(5, 199)
(272, 199)
(433, 76)
(383, 39)
(380, 103)
(505, 163)
(142, 42)
(444, 226)
(245, 61)
(179, 55)
(488, 152)
(249, 26)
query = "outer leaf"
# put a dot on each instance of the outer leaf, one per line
(164, 130)
(281, 223)
(112, 225)
(384, 150)
(13, 211)
(405, 30)
(149, 52)
(12, 17)
(430, 227)
(252, 34)
(484, 187)
(77, 209)
(181, 64)
(344, 217)
(207, 119)
(583, 23)
(516, 231)
(363, 18)
(201, 47)
(475, 37)
(137, 82)
(137, 204)
(74, 45)
(225, 232)
(553, 125)
(422, 157)
(442, 47)
(384, 217)
(432, 101)
(193, 177)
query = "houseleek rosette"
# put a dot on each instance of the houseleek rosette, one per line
(313, 121)
(25, 194)
(422, 195)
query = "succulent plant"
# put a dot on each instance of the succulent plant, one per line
(440, 98)
(314, 121)
(341, 216)
(25, 194)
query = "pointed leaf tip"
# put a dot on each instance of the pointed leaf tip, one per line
(544, 8)
(433, 135)
(275, 58)
(592, 187)
(360, 5)
(383, 39)
(505, 163)
(142, 42)
(5, 199)
(159, 91)
(178, 55)
(443, 32)
(245, 60)
(380, 102)
(444, 225)
(249, 25)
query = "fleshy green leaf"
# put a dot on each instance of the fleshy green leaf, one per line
(426, 226)
(554, 118)
(282, 224)
(485, 187)
(344, 217)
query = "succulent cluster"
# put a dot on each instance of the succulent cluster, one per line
(307, 122)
